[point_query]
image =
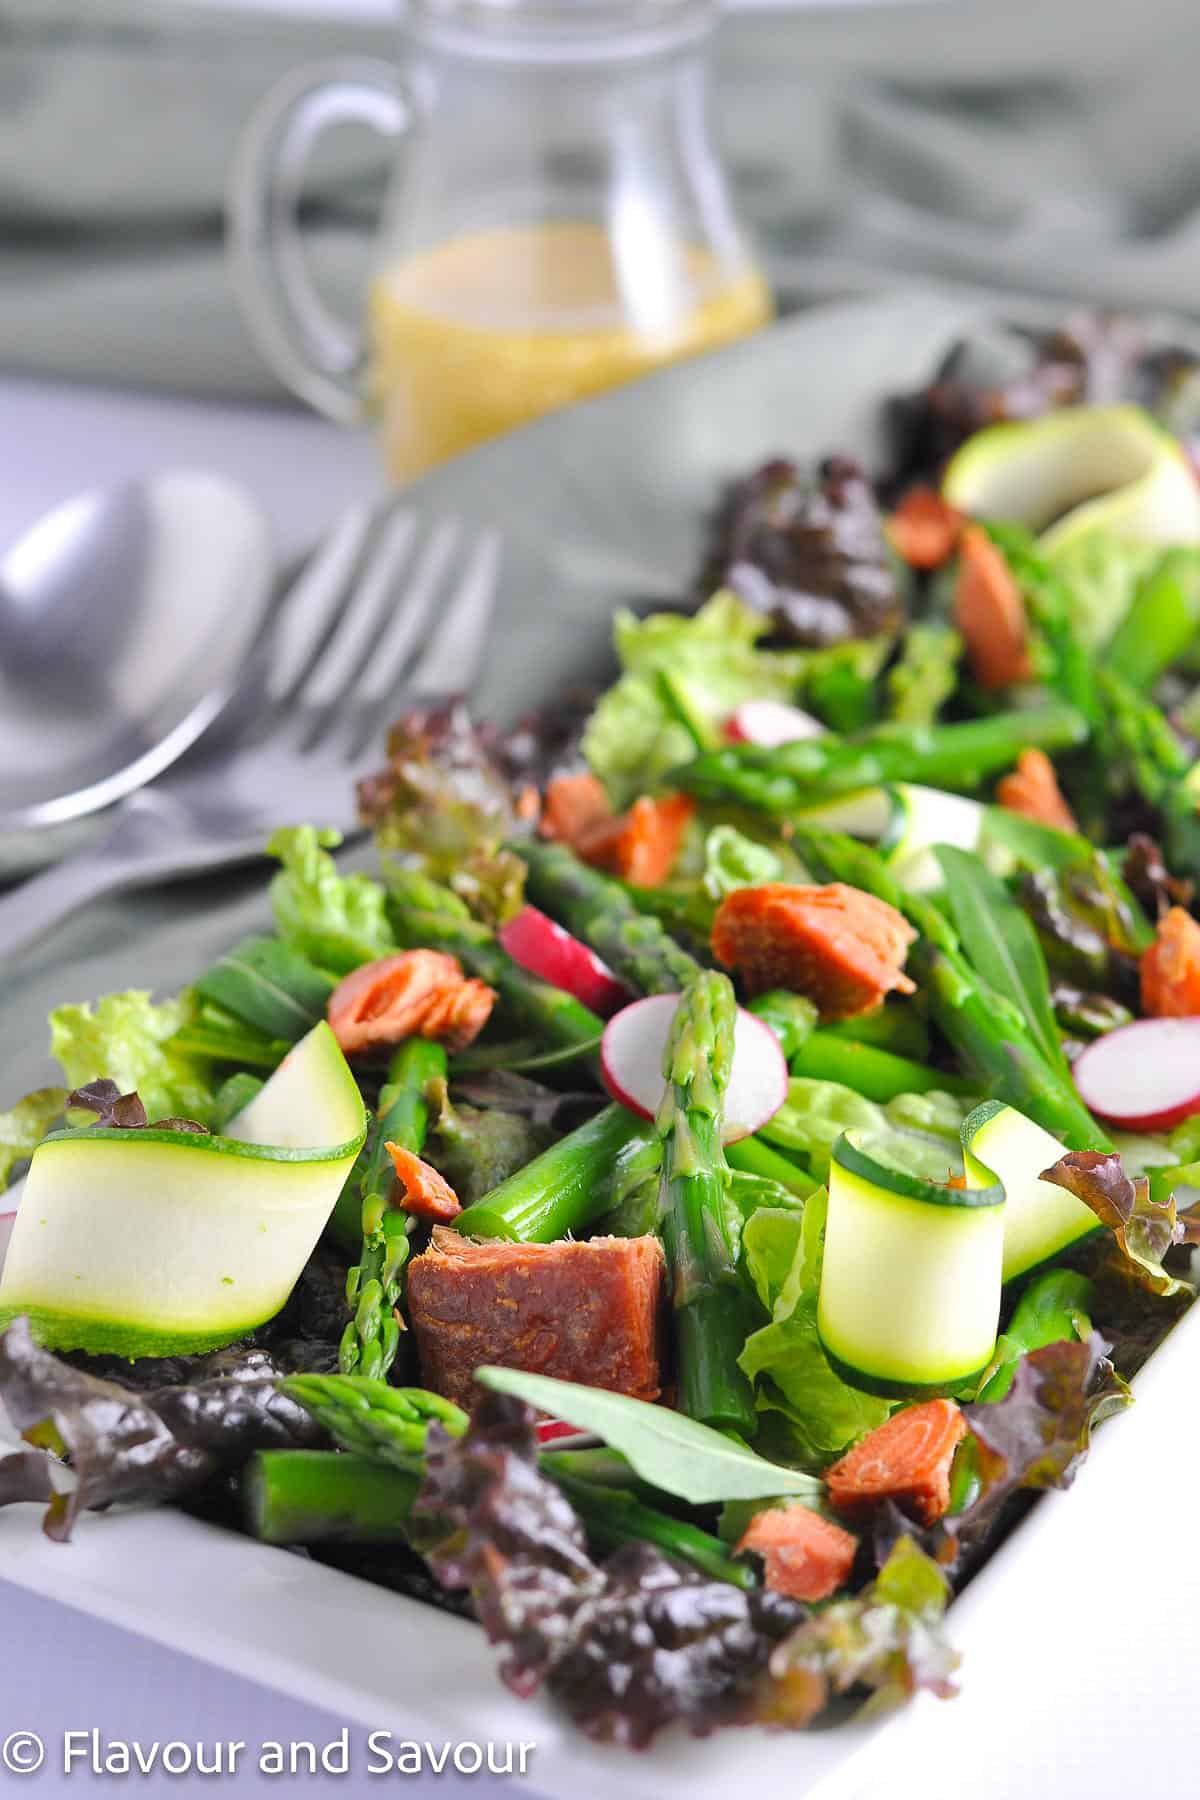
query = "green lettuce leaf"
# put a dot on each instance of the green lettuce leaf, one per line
(634, 737)
(24, 1126)
(337, 921)
(1101, 573)
(125, 1038)
(814, 1116)
(813, 1409)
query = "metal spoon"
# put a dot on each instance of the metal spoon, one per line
(125, 617)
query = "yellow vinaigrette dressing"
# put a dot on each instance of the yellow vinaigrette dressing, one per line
(485, 332)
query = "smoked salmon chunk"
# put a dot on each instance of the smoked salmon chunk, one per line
(417, 993)
(924, 529)
(1032, 789)
(426, 1194)
(590, 1312)
(906, 1459)
(639, 846)
(571, 804)
(990, 613)
(1170, 968)
(804, 1556)
(843, 948)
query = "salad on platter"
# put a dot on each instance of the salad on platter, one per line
(684, 1195)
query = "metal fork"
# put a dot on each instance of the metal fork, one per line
(384, 615)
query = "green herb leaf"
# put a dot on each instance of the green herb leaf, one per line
(269, 986)
(1002, 945)
(672, 1452)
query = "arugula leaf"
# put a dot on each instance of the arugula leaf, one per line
(338, 921)
(1144, 1228)
(24, 1126)
(888, 1638)
(126, 1039)
(1002, 945)
(667, 1449)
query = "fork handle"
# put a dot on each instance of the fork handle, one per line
(139, 848)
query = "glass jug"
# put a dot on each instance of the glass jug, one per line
(558, 221)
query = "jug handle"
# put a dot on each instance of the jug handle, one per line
(320, 356)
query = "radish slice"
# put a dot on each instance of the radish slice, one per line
(544, 949)
(769, 723)
(1144, 1076)
(631, 1060)
(564, 1436)
(10, 1199)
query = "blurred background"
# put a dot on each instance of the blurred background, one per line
(1042, 145)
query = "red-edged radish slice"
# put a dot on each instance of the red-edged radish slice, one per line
(1144, 1076)
(546, 950)
(557, 1431)
(10, 1199)
(631, 1060)
(769, 723)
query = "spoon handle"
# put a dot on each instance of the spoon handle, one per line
(143, 845)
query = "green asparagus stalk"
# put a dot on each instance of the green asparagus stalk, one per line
(787, 779)
(563, 1190)
(385, 1428)
(556, 1019)
(710, 1321)
(986, 1030)
(791, 1017)
(1158, 764)
(1161, 623)
(372, 1418)
(233, 1096)
(372, 1337)
(636, 946)
(612, 1516)
(876, 1074)
(752, 1156)
(321, 1496)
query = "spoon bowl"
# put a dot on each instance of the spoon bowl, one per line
(126, 616)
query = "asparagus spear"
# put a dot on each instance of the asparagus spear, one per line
(1158, 764)
(385, 1429)
(319, 1496)
(371, 1418)
(635, 945)
(564, 1189)
(710, 1322)
(876, 1074)
(372, 1337)
(556, 1019)
(753, 1156)
(793, 776)
(986, 1029)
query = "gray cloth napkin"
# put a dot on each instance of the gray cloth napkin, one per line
(1046, 147)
